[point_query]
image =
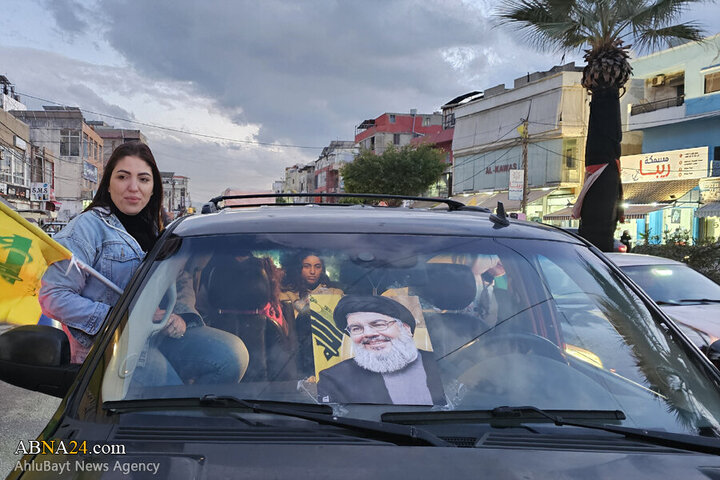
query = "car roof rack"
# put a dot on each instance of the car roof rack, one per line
(213, 204)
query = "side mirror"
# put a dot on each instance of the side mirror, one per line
(37, 357)
(713, 353)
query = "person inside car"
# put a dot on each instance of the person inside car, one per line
(305, 275)
(387, 367)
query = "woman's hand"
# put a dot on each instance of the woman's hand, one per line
(175, 327)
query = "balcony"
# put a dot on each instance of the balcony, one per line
(657, 105)
(654, 114)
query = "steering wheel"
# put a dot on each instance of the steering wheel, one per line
(524, 343)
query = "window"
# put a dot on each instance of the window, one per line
(396, 139)
(426, 122)
(5, 166)
(18, 169)
(372, 143)
(48, 178)
(712, 82)
(570, 154)
(37, 169)
(69, 142)
(392, 118)
(86, 147)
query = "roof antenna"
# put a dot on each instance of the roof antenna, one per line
(499, 218)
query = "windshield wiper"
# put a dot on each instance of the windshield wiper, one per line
(500, 415)
(148, 404)
(560, 418)
(667, 302)
(320, 413)
(700, 300)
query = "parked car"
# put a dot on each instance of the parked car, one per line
(686, 295)
(547, 361)
(618, 246)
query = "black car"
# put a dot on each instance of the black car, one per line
(509, 349)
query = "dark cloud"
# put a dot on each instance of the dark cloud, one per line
(68, 15)
(306, 71)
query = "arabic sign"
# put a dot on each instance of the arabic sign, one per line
(669, 165)
(39, 192)
(710, 190)
(515, 191)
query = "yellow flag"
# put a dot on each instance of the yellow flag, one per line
(25, 253)
(327, 338)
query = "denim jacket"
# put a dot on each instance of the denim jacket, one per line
(76, 299)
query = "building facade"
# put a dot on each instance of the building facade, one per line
(176, 194)
(75, 150)
(113, 137)
(299, 179)
(15, 163)
(395, 129)
(443, 140)
(327, 167)
(552, 108)
(677, 114)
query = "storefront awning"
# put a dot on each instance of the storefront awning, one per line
(711, 209)
(562, 214)
(632, 212)
(490, 201)
(646, 193)
(637, 212)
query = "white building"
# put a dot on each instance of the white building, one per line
(488, 144)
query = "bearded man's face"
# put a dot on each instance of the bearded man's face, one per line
(381, 343)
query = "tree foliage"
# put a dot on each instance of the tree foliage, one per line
(575, 24)
(602, 27)
(409, 170)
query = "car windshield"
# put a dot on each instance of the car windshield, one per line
(378, 323)
(673, 283)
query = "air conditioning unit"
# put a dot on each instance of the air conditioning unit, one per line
(658, 80)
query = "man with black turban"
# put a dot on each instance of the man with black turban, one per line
(387, 367)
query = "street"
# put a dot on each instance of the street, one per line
(25, 414)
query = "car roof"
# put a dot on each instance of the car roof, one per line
(637, 259)
(361, 219)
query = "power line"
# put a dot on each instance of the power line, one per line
(176, 130)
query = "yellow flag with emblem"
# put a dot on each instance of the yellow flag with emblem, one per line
(25, 253)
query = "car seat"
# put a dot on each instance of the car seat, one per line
(240, 294)
(445, 291)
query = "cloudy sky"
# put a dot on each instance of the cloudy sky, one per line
(260, 85)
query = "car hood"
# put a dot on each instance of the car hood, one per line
(351, 462)
(704, 317)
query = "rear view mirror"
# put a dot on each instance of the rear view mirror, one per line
(37, 357)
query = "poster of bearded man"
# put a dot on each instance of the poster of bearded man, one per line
(387, 367)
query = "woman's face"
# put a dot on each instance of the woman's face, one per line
(312, 268)
(131, 185)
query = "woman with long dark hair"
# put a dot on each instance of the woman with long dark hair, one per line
(305, 275)
(112, 235)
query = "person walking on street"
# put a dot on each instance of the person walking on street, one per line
(625, 239)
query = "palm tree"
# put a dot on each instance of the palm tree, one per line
(601, 27)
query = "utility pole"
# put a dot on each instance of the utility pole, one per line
(524, 137)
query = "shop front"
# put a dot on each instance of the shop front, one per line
(666, 184)
(708, 214)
